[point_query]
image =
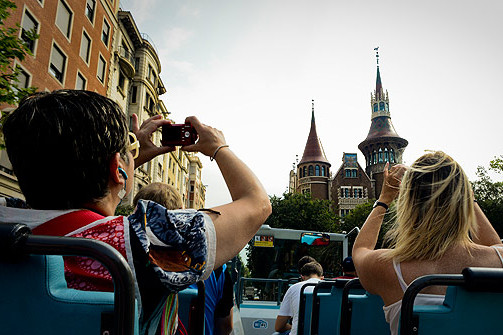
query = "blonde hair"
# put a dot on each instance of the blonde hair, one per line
(434, 210)
(161, 193)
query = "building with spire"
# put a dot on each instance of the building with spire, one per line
(313, 170)
(382, 144)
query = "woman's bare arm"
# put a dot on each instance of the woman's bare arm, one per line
(485, 235)
(239, 220)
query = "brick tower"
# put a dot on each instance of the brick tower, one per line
(313, 170)
(382, 143)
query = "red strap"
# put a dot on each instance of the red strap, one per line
(66, 223)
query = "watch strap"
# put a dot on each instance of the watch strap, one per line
(380, 203)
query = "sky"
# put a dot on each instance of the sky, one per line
(251, 69)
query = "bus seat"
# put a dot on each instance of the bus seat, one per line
(191, 309)
(35, 299)
(362, 313)
(326, 315)
(473, 304)
(305, 308)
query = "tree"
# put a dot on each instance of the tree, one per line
(489, 194)
(300, 211)
(357, 217)
(12, 48)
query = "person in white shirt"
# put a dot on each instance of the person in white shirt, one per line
(311, 273)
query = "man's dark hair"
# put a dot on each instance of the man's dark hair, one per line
(60, 145)
(304, 260)
(312, 268)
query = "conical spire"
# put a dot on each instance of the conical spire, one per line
(312, 151)
(378, 92)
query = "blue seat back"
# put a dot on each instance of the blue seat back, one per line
(326, 315)
(463, 312)
(305, 308)
(191, 309)
(367, 315)
(362, 312)
(35, 299)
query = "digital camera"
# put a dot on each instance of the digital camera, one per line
(178, 135)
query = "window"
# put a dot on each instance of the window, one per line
(375, 107)
(137, 64)
(105, 33)
(386, 155)
(374, 157)
(64, 18)
(317, 170)
(381, 106)
(391, 156)
(357, 192)
(29, 25)
(85, 47)
(304, 172)
(380, 156)
(122, 81)
(58, 63)
(102, 64)
(159, 169)
(350, 173)
(81, 82)
(23, 78)
(323, 171)
(91, 4)
(134, 91)
(311, 170)
(149, 105)
(151, 74)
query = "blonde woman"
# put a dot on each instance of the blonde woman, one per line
(439, 228)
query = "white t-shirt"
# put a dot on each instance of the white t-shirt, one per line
(291, 301)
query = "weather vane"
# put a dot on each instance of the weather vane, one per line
(376, 49)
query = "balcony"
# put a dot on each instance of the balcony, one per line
(126, 61)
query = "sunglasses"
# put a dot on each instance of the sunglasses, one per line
(134, 145)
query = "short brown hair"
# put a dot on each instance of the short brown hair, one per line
(161, 193)
(312, 268)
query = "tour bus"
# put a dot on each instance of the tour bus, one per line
(277, 252)
(35, 299)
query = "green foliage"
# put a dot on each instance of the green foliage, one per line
(357, 217)
(497, 164)
(489, 194)
(124, 210)
(12, 47)
(300, 211)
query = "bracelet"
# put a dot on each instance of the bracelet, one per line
(212, 158)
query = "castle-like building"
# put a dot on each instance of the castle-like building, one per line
(351, 185)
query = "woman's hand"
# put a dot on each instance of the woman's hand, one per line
(209, 138)
(391, 185)
(148, 149)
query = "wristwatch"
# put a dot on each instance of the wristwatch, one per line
(379, 203)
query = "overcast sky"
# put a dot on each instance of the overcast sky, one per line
(251, 68)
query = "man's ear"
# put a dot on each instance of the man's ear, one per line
(115, 164)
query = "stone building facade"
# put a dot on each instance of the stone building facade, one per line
(93, 45)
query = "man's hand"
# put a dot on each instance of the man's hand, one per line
(209, 138)
(148, 149)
